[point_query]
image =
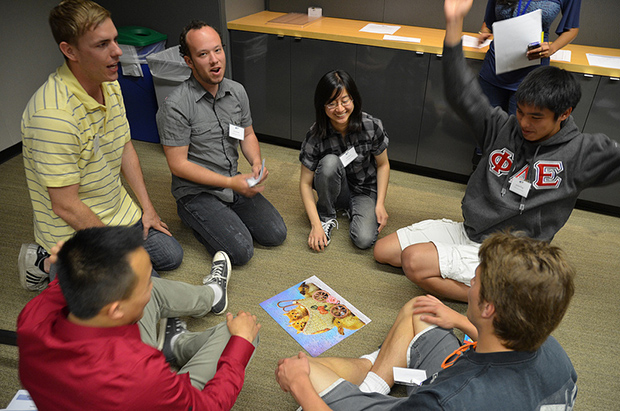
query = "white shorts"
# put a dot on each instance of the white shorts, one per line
(458, 255)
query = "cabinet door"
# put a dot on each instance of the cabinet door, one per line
(261, 62)
(446, 143)
(604, 117)
(589, 84)
(392, 83)
(310, 60)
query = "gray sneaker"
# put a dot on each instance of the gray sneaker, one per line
(30, 266)
(219, 275)
(328, 226)
(168, 328)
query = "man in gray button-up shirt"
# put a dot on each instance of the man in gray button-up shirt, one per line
(201, 123)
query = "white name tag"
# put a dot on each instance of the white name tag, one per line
(348, 156)
(520, 187)
(96, 144)
(236, 132)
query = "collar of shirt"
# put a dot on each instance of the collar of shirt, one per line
(199, 92)
(65, 330)
(76, 88)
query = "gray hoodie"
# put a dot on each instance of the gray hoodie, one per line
(562, 165)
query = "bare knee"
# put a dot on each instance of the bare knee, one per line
(387, 251)
(420, 261)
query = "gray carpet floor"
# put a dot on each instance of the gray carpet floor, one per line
(589, 332)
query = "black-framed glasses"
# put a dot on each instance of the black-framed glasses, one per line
(346, 101)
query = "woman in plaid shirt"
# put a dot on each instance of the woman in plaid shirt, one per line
(344, 158)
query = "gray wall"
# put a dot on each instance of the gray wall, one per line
(599, 18)
(28, 54)
(165, 16)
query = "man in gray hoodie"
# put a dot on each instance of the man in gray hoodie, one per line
(533, 168)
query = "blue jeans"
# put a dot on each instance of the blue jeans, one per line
(232, 227)
(165, 251)
(330, 183)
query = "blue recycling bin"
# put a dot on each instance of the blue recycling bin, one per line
(136, 80)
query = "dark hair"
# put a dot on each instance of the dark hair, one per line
(530, 284)
(193, 25)
(94, 269)
(330, 86)
(70, 19)
(549, 87)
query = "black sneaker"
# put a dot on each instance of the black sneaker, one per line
(219, 275)
(328, 226)
(30, 266)
(168, 328)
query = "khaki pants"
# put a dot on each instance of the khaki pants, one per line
(196, 352)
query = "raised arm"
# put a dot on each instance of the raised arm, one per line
(455, 11)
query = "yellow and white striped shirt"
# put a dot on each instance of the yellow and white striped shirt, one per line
(69, 138)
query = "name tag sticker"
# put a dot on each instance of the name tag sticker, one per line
(520, 187)
(236, 132)
(96, 144)
(348, 156)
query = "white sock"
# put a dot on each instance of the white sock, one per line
(217, 293)
(173, 340)
(372, 357)
(374, 383)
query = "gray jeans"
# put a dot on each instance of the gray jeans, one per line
(196, 352)
(330, 183)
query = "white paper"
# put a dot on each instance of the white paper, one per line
(409, 376)
(511, 39)
(253, 181)
(21, 401)
(603, 61)
(561, 55)
(380, 28)
(401, 38)
(471, 41)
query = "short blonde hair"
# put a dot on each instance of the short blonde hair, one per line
(529, 282)
(70, 19)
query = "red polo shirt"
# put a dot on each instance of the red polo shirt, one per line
(65, 366)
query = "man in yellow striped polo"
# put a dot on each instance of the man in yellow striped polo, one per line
(76, 142)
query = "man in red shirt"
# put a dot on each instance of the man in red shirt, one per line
(88, 341)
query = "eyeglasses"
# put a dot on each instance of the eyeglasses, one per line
(346, 101)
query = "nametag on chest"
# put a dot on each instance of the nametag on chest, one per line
(520, 187)
(236, 132)
(348, 156)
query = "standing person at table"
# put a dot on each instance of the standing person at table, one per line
(201, 124)
(501, 88)
(535, 164)
(77, 142)
(344, 158)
